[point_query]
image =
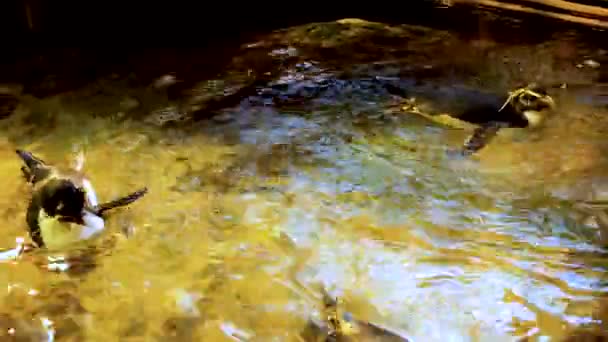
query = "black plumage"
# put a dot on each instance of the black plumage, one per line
(525, 107)
(64, 200)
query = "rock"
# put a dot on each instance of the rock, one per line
(129, 103)
(223, 117)
(9, 98)
(14, 328)
(591, 63)
(164, 81)
(8, 104)
(12, 89)
(343, 327)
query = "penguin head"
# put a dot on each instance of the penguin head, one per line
(62, 198)
(532, 103)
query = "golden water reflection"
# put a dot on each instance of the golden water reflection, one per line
(245, 217)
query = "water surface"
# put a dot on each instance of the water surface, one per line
(317, 176)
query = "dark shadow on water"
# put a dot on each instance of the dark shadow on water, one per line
(214, 35)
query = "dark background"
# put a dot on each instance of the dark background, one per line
(81, 39)
(195, 22)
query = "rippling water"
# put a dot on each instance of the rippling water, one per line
(249, 210)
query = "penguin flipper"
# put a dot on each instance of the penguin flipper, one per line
(481, 137)
(35, 169)
(31, 217)
(120, 202)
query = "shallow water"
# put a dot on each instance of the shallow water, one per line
(249, 210)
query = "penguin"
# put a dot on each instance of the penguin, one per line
(525, 107)
(63, 208)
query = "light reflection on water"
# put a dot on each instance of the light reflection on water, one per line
(447, 250)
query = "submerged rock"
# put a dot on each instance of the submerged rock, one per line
(339, 326)
(21, 329)
(129, 103)
(9, 98)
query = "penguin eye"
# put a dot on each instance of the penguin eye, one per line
(60, 206)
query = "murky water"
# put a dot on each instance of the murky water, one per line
(320, 180)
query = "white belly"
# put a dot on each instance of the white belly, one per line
(534, 118)
(91, 196)
(57, 235)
